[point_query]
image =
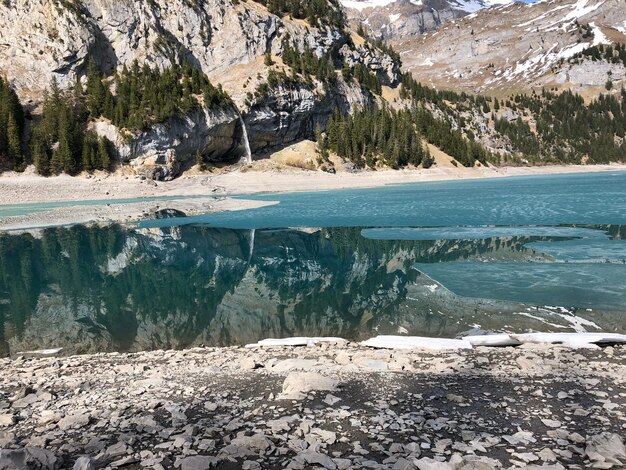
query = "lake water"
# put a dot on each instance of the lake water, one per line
(436, 259)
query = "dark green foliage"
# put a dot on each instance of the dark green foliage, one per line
(520, 135)
(146, 96)
(11, 128)
(316, 12)
(566, 128)
(367, 79)
(306, 63)
(440, 133)
(615, 53)
(61, 142)
(376, 135)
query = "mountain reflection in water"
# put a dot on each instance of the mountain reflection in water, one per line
(90, 289)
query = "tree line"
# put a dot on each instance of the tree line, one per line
(11, 128)
(550, 126)
(316, 12)
(375, 135)
(146, 96)
(62, 142)
(567, 129)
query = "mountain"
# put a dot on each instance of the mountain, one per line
(402, 19)
(164, 85)
(521, 47)
(236, 45)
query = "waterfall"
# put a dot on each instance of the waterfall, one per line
(248, 155)
(251, 250)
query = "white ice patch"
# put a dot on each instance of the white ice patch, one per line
(415, 342)
(402, 330)
(539, 319)
(428, 62)
(394, 17)
(622, 29)
(472, 6)
(581, 8)
(570, 340)
(42, 352)
(492, 340)
(295, 341)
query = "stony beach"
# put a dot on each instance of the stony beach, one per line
(324, 405)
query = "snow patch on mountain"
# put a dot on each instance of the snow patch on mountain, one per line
(580, 9)
(472, 6)
(598, 36)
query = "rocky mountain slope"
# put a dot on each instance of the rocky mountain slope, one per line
(400, 19)
(518, 47)
(227, 40)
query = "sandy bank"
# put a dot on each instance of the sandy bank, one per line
(333, 406)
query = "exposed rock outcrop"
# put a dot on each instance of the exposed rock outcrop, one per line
(519, 47)
(46, 39)
(166, 148)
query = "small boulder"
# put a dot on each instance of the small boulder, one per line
(297, 384)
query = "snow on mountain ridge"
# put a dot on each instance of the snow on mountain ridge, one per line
(520, 46)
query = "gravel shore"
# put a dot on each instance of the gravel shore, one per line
(333, 406)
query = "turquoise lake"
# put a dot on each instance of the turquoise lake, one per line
(438, 259)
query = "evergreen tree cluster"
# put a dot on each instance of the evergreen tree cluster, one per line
(440, 133)
(366, 78)
(309, 65)
(612, 53)
(520, 135)
(376, 135)
(61, 141)
(316, 12)
(146, 96)
(306, 63)
(568, 129)
(11, 128)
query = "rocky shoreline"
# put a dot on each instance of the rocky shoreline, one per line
(333, 405)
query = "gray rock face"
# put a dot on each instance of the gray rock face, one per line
(42, 40)
(405, 18)
(167, 148)
(517, 47)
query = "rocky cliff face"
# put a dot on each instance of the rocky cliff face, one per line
(46, 39)
(167, 148)
(402, 19)
(519, 47)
